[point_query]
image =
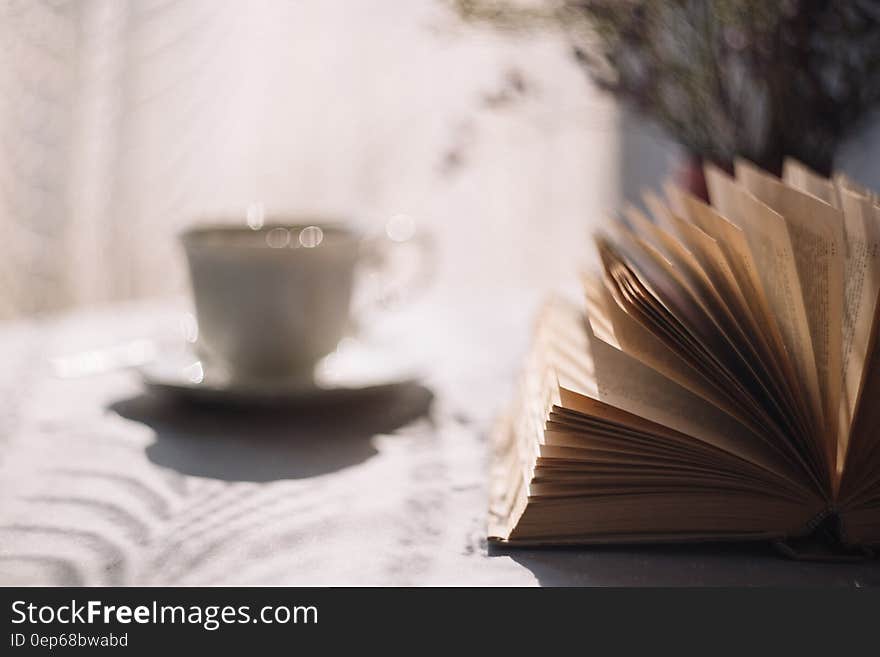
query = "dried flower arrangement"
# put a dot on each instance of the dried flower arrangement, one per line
(763, 80)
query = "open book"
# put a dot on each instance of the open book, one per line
(720, 379)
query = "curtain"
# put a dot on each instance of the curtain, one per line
(122, 121)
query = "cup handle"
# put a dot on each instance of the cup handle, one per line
(399, 266)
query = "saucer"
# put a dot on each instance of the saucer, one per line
(177, 372)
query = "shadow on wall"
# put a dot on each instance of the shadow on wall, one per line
(859, 156)
(267, 444)
(648, 155)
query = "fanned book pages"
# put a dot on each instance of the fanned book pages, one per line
(720, 379)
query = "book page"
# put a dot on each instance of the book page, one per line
(682, 264)
(667, 287)
(708, 271)
(711, 258)
(861, 475)
(815, 230)
(733, 244)
(862, 283)
(801, 177)
(692, 268)
(843, 181)
(706, 250)
(772, 255)
(733, 259)
(723, 350)
(613, 377)
(611, 323)
(856, 299)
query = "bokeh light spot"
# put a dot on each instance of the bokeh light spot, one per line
(311, 236)
(278, 238)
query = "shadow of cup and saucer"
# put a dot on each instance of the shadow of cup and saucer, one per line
(270, 389)
(270, 440)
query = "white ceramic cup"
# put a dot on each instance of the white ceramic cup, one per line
(271, 302)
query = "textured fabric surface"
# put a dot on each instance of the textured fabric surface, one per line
(103, 485)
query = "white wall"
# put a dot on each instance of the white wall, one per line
(123, 120)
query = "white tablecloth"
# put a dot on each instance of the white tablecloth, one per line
(101, 484)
